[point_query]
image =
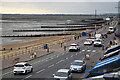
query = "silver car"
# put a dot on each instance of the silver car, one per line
(63, 74)
(78, 66)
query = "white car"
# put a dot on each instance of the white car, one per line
(88, 42)
(22, 67)
(111, 30)
(91, 39)
(74, 47)
(98, 42)
(78, 66)
(63, 74)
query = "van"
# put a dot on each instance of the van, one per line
(98, 36)
(110, 30)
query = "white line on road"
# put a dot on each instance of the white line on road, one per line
(71, 55)
(6, 73)
(40, 71)
(51, 66)
(59, 61)
(94, 51)
(37, 62)
(83, 50)
(66, 58)
(88, 50)
(28, 76)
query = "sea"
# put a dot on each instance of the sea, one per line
(20, 22)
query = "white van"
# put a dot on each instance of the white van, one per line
(111, 30)
(98, 36)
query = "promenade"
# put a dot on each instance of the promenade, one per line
(24, 54)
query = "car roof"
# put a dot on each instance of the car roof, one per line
(73, 44)
(113, 47)
(21, 63)
(63, 70)
(110, 27)
(78, 60)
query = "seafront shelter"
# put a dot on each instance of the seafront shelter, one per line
(104, 66)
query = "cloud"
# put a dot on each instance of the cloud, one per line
(58, 7)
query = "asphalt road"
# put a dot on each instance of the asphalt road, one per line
(46, 66)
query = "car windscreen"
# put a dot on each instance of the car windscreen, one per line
(19, 66)
(97, 40)
(61, 74)
(73, 45)
(111, 28)
(77, 63)
(87, 41)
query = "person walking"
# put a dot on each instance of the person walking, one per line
(47, 49)
(64, 48)
(35, 54)
(61, 44)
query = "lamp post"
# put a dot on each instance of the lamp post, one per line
(95, 13)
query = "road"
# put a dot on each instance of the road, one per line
(47, 65)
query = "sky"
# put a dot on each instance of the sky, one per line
(58, 6)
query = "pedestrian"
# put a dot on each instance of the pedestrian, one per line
(87, 56)
(103, 47)
(61, 44)
(47, 49)
(32, 55)
(35, 54)
(89, 35)
(64, 48)
(110, 42)
(78, 37)
(75, 37)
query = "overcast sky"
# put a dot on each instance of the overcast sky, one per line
(60, 0)
(58, 6)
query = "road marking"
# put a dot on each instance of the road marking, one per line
(88, 50)
(40, 71)
(59, 61)
(28, 76)
(94, 51)
(37, 62)
(51, 66)
(83, 50)
(66, 58)
(51, 58)
(7, 73)
(71, 55)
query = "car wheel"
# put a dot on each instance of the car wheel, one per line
(31, 70)
(26, 72)
(14, 73)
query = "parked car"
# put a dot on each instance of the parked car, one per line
(98, 42)
(88, 42)
(63, 74)
(22, 67)
(74, 47)
(78, 66)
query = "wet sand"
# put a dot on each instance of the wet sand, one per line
(38, 41)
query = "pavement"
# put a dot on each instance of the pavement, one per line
(48, 64)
